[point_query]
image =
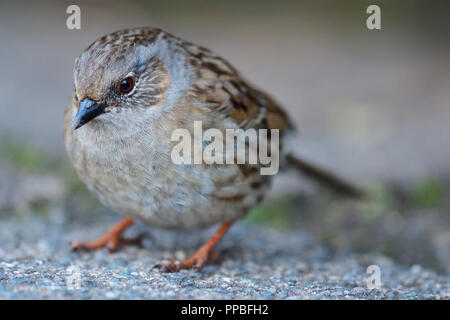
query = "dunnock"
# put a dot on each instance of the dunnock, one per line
(133, 88)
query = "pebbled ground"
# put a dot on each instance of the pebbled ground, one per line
(257, 263)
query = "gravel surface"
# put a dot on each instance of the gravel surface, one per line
(36, 263)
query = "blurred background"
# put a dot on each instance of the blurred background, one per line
(373, 105)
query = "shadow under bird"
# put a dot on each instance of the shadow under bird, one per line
(133, 88)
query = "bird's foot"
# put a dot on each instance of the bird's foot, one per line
(112, 238)
(196, 262)
(203, 256)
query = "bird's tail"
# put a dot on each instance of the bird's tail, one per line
(326, 178)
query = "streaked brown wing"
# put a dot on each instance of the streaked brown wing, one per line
(220, 86)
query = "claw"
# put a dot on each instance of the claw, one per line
(169, 265)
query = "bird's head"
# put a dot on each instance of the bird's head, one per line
(121, 73)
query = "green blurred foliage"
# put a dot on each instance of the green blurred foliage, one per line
(429, 193)
(26, 157)
(276, 214)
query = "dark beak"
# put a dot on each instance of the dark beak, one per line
(87, 111)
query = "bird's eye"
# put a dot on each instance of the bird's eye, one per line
(126, 85)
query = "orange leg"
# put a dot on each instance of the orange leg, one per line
(112, 238)
(203, 255)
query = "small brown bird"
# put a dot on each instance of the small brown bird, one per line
(133, 88)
